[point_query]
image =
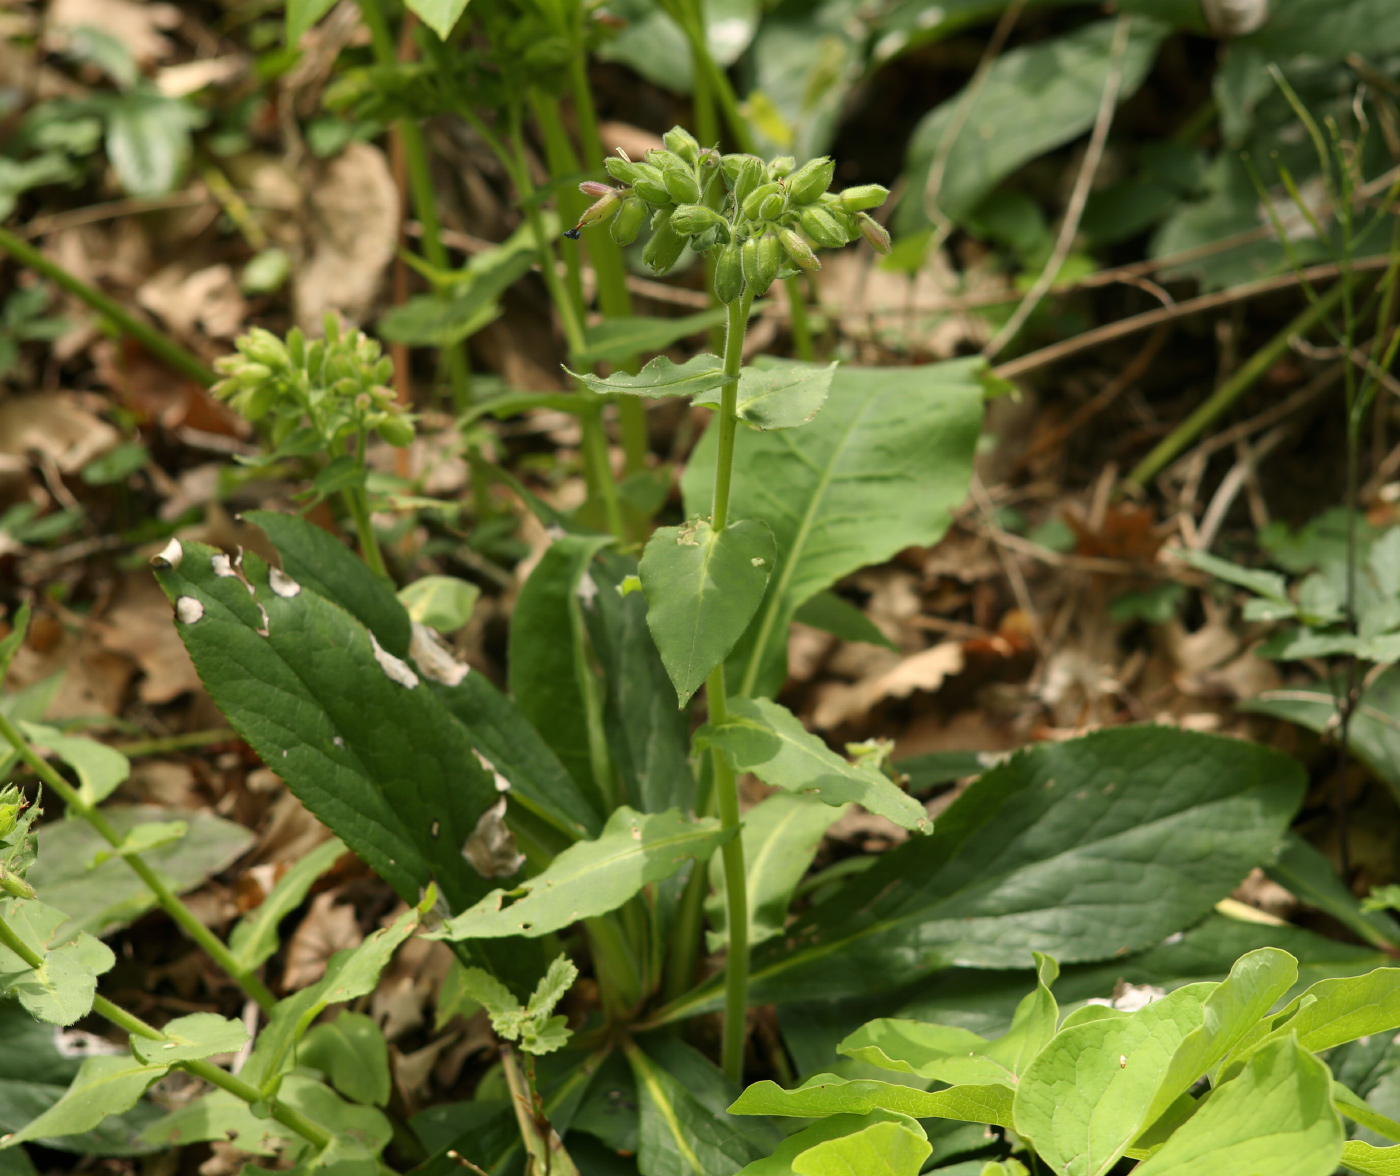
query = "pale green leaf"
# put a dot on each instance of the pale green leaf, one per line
(142, 839)
(444, 602)
(1269, 585)
(767, 739)
(106, 1085)
(148, 140)
(827, 1094)
(1360, 1111)
(438, 15)
(882, 1149)
(352, 1053)
(615, 339)
(100, 769)
(189, 1038)
(1275, 1118)
(661, 377)
(254, 938)
(431, 320)
(780, 397)
(702, 588)
(1342, 1009)
(218, 1116)
(831, 1127)
(1370, 1160)
(302, 14)
(59, 992)
(592, 877)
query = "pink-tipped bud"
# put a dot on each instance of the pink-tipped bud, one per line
(874, 232)
(609, 199)
(596, 190)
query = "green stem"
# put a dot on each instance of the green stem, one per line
(736, 967)
(10, 939)
(356, 501)
(167, 743)
(157, 343)
(801, 328)
(168, 899)
(1233, 388)
(563, 165)
(420, 187)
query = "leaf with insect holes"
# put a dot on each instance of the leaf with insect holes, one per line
(783, 396)
(444, 602)
(702, 588)
(767, 739)
(198, 1035)
(61, 990)
(592, 877)
(661, 377)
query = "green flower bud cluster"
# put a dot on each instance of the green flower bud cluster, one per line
(315, 393)
(759, 221)
(16, 843)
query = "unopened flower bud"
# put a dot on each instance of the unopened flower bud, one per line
(628, 221)
(747, 177)
(595, 189)
(864, 196)
(666, 245)
(823, 228)
(874, 232)
(622, 170)
(754, 200)
(772, 207)
(690, 219)
(683, 143)
(798, 250)
(605, 206)
(15, 886)
(396, 429)
(650, 185)
(781, 166)
(809, 181)
(681, 184)
(729, 274)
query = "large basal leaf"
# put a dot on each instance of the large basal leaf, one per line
(882, 1149)
(1034, 99)
(60, 991)
(105, 1085)
(828, 1094)
(347, 724)
(767, 739)
(592, 877)
(881, 468)
(783, 396)
(1088, 849)
(703, 587)
(1276, 1117)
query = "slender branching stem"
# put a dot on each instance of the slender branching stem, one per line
(246, 978)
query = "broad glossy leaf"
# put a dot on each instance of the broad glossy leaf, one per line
(882, 1149)
(617, 339)
(347, 724)
(443, 602)
(831, 1127)
(1087, 849)
(1276, 1117)
(780, 397)
(254, 938)
(1034, 99)
(661, 377)
(61, 991)
(438, 15)
(827, 1094)
(100, 769)
(192, 1037)
(1087, 1095)
(106, 1085)
(703, 587)
(352, 1053)
(1370, 1160)
(880, 468)
(592, 877)
(767, 739)
(550, 678)
(781, 835)
(111, 895)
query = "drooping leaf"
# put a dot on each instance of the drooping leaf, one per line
(882, 1149)
(592, 877)
(1276, 1117)
(661, 377)
(615, 339)
(444, 602)
(767, 739)
(780, 397)
(880, 468)
(195, 1036)
(100, 769)
(781, 835)
(61, 990)
(254, 937)
(827, 1094)
(352, 1053)
(702, 588)
(105, 1085)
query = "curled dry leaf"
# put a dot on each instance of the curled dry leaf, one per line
(839, 702)
(139, 627)
(330, 926)
(59, 425)
(206, 299)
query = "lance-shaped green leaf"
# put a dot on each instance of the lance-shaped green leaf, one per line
(661, 377)
(831, 1127)
(781, 835)
(1269, 585)
(105, 1085)
(1306, 872)
(1357, 1109)
(1276, 1117)
(827, 1094)
(189, 1038)
(882, 1149)
(880, 468)
(703, 587)
(767, 739)
(592, 877)
(783, 396)
(99, 768)
(1369, 1160)
(1086, 1096)
(254, 937)
(615, 339)
(60, 991)
(949, 1053)
(352, 1053)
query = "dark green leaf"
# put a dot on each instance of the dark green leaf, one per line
(833, 614)
(1306, 872)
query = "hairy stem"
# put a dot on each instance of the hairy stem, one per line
(168, 899)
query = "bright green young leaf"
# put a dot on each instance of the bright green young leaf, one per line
(1362, 1112)
(254, 937)
(615, 339)
(61, 991)
(1276, 1117)
(438, 15)
(106, 1085)
(142, 839)
(532, 1025)
(780, 397)
(880, 468)
(826, 1094)
(444, 602)
(767, 739)
(1087, 1095)
(831, 1127)
(100, 769)
(781, 835)
(833, 614)
(1269, 585)
(1370, 1160)
(592, 877)
(661, 377)
(352, 1053)
(882, 1149)
(198, 1035)
(702, 589)
(301, 15)
(1335, 1011)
